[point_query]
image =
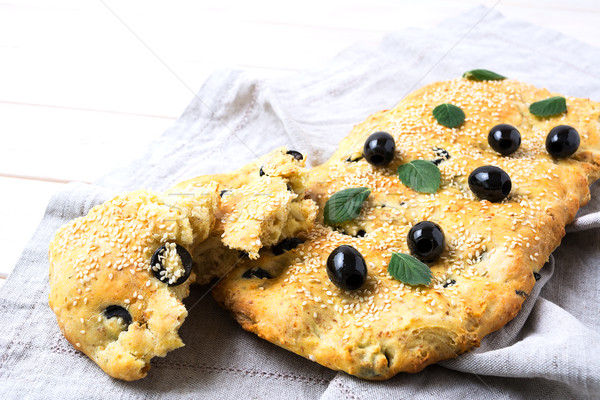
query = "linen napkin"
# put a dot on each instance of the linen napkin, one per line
(550, 350)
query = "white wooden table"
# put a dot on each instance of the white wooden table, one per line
(76, 76)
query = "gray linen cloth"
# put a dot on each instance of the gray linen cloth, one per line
(550, 350)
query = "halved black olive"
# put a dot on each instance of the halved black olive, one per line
(285, 245)
(296, 154)
(186, 262)
(118, 311)
(257, 273)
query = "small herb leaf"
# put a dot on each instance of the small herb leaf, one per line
(409, 270)
(482, 75)
(449, 115)
(551, 106)
(420, 175)
(345, 205)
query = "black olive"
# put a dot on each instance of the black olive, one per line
(243, 254)
(562, 141)
(285, 245)
(359, 233)
(450, 283)
(296, 154)
(490, 183)
(261, 172)
(118, 311)
(504, 138)
(441, 153)
(256, 273)
(426, 241)
(379, 149)
(186, 262)
(350, 159)
(347, 268)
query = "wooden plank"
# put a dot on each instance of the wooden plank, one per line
(134, 56)
(67, 145)
(79, 55)
(22, 206)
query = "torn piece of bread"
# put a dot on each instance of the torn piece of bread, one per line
(118, 274)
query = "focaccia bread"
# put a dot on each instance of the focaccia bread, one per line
(118, 274)
(490, 254)
(331, 277)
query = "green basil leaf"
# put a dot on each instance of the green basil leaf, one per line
(546, 108)
(482, 75)
(409, 270)
(449, 115)
(420, 175)
(345, 205)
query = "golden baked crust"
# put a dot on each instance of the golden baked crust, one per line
(492, 249)
(102, 261)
